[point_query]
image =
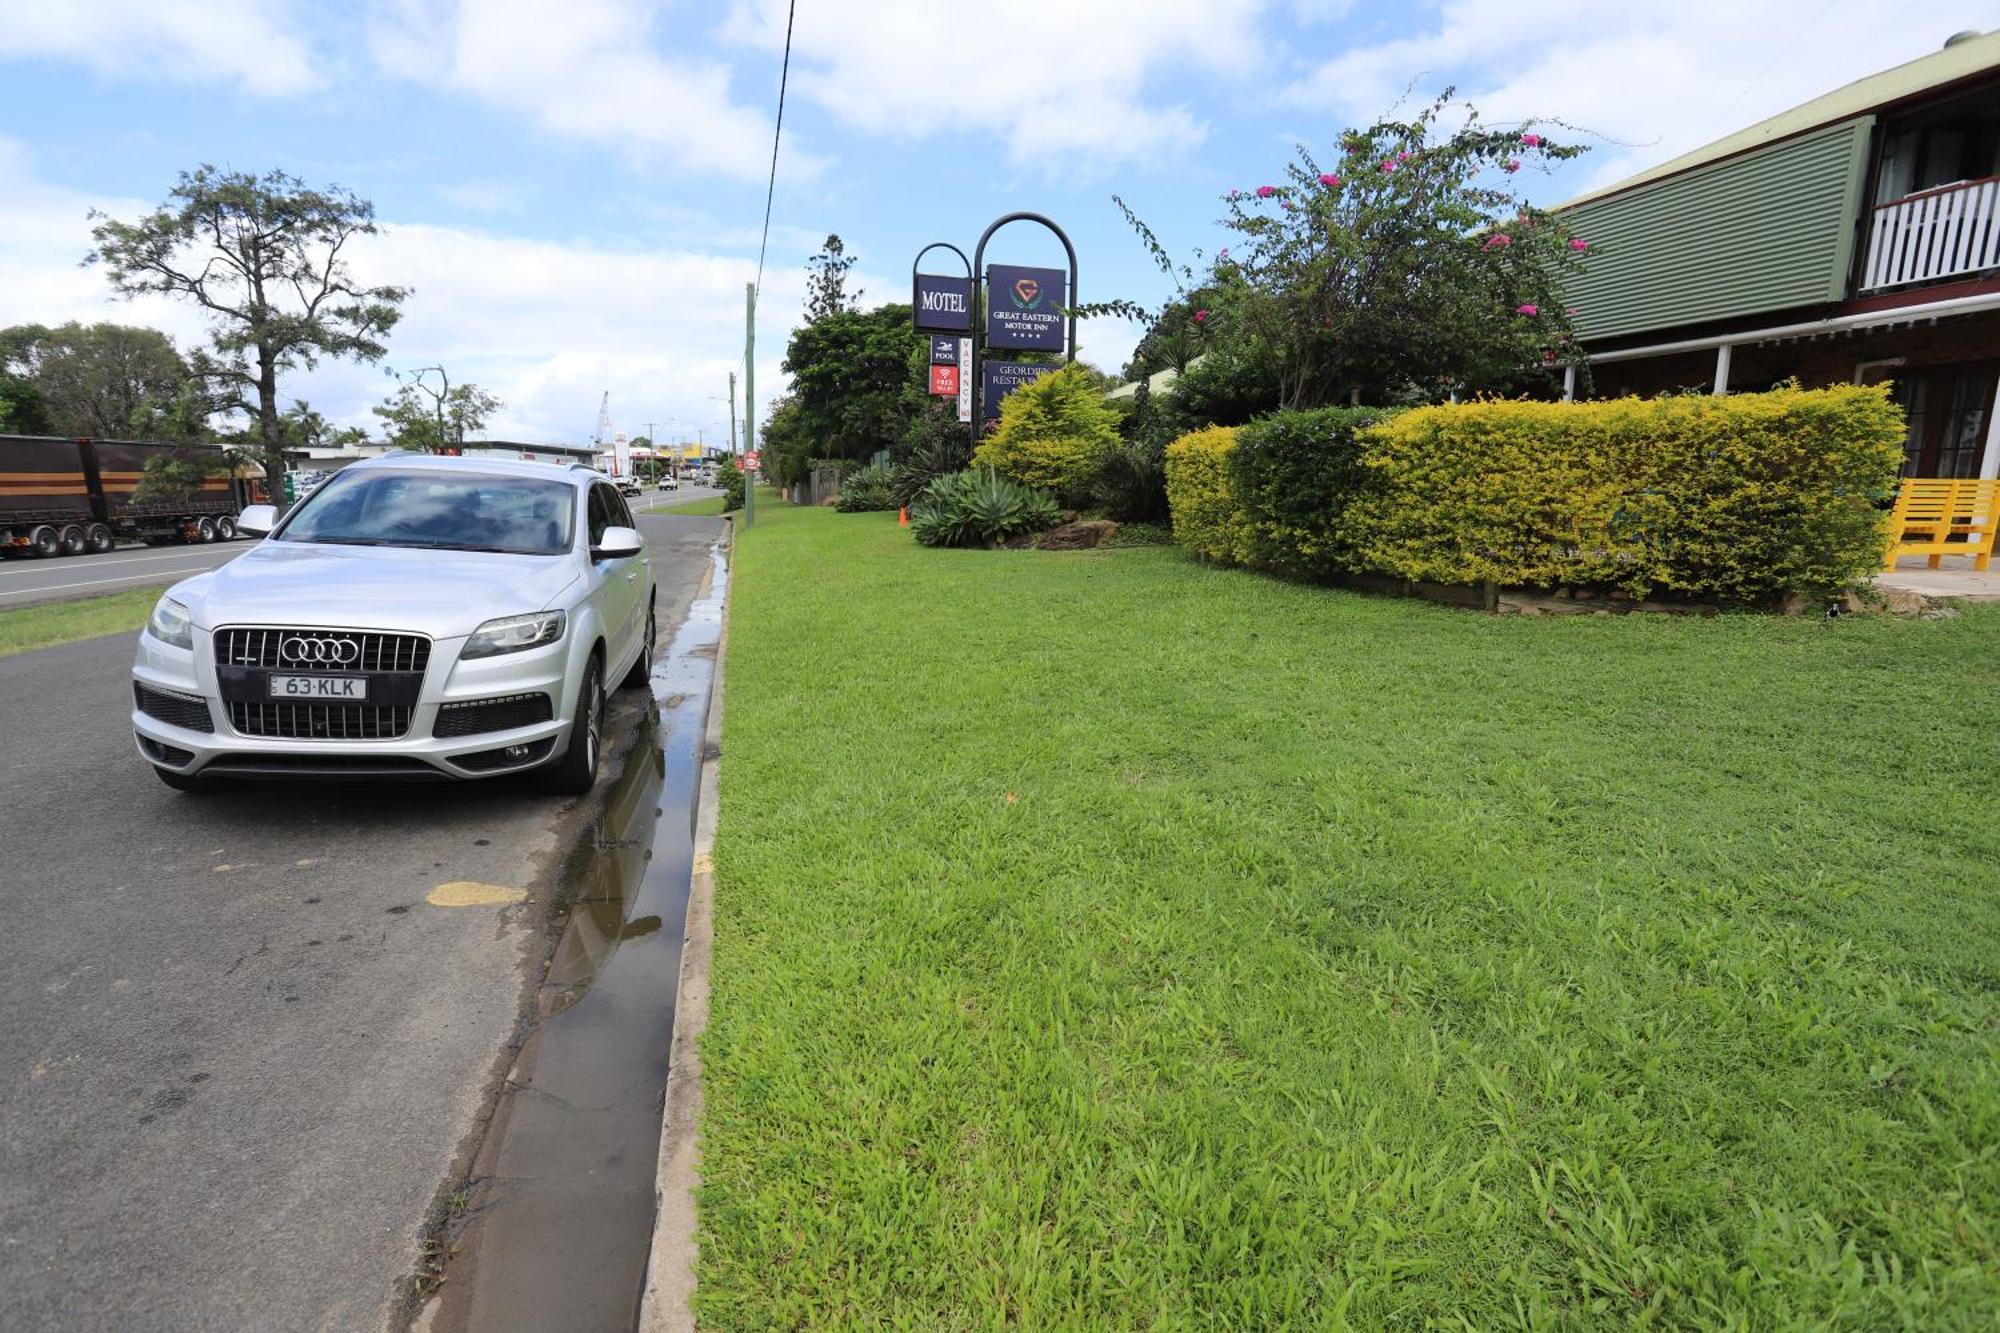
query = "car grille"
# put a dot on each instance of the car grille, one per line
(372, 652)
(176, 710)
(320, 722)
(482, 715)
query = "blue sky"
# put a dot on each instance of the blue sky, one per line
(574, 189)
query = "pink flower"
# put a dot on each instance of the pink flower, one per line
(1570, 311)
(1578, 244)
(1224, 254)
(1530, 310)
(1201, 316)
(1402, 158)
(1388, 166)
(1266, 191)
(1513, 164)
(1499, 241)
(1330, 181)
(1234, 195)
(1531, 140)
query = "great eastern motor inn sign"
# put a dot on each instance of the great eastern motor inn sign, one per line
(1024, 307)
(942, 304)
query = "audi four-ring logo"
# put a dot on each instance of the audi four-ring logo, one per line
(335, 652)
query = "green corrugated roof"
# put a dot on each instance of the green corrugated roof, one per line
(1891, 85)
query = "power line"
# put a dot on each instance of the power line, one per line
(770, 190)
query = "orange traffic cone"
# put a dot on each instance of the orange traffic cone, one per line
(903, 517)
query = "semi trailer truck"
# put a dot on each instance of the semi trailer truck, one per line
(73, 497)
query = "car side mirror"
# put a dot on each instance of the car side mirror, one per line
(257, 520)
(617, 543)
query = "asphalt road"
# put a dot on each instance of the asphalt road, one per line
(242, 1051)
(23, 582)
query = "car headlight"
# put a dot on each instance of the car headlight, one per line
(511, 634)
(170, 624)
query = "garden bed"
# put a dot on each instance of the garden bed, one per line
(1109, 940)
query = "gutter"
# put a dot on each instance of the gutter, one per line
(1961, 305)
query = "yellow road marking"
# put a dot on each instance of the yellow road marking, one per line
(471, 893)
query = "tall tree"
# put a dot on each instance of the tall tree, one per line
(264, 257)
(430, 413)
(99, 380)
(826, 284)
(856, 382)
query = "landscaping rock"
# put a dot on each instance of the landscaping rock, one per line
(1076, 536)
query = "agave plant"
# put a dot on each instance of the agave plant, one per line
(980, 508)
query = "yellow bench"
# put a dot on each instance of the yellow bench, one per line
(1940, 516)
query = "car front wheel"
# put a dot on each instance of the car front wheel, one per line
(575, 771)
(642, 665)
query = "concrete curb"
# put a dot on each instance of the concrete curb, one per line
(668, 1303)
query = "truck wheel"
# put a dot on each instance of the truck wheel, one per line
(72, 540)
(204, 531)
(99, 539)
(44, 542)
(225, 529)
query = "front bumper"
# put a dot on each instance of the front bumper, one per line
(190, 677)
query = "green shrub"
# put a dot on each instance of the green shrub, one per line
(1131, 482)
(1054, 434)
(729, 477)
(980, 508)
(1737, 499)
(1295, 474)
(1202, 494)
(866, 489)
(937, 455)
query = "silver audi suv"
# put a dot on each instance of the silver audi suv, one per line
(414, 616)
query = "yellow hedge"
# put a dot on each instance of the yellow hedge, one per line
(1202, 496)
(1739, 498)
(1054, 434)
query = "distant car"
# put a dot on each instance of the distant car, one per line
(629, 486)
(411, 617)
(670, 482)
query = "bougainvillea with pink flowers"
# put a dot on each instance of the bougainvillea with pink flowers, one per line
(1407, 269)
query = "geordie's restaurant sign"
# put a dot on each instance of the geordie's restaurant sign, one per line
(997, 379)
(1024, 307)
(942, 303)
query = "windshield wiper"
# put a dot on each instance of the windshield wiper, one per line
(344, 541)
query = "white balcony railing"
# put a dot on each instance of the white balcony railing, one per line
(1940, 233)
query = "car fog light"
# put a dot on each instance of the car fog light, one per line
(516, 752)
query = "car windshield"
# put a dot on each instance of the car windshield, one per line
(438, 511)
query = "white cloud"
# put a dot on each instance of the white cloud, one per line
(183, 41)
(1073, 91)
(546, 326)
(588, 70)
(1653, 81)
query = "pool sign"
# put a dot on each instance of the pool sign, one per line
(1024, 309)
(944, 351)
(942, 304)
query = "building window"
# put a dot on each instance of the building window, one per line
(1948, 408)
(1954, 143)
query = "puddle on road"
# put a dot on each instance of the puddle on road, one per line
(558, 1224)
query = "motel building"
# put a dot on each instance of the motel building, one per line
(1855, 238)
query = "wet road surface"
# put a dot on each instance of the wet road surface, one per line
(243, 1050)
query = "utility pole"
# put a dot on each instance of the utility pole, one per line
(732, 411)
(749, 397)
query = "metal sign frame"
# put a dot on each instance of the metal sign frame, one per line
(972, 288)
(981, 296)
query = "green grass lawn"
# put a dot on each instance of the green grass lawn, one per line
(1108, 941)
(85, 618)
